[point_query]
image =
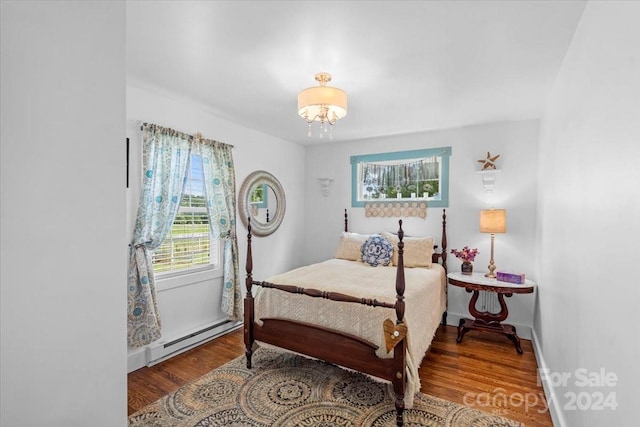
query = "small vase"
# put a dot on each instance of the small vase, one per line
(467, 268)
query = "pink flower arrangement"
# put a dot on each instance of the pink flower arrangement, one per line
(465, 254)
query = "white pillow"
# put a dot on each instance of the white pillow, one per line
(417, 250)
(350, 246)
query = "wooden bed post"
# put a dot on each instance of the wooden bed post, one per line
(444, 239)
(444, 264)
(248, 301)
(346, 221)
(400, 350)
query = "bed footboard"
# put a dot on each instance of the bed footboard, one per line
(322, 343)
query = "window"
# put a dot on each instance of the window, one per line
(189, 245)
(259, 196)
(403, 175)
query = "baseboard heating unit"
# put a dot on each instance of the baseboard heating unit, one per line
(164, 349)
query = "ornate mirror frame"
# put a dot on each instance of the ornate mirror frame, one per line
(260, 177)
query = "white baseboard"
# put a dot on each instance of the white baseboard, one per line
(136, 359)
(552, 402)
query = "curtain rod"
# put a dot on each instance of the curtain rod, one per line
(197, 136)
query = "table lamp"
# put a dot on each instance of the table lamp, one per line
(493, 221)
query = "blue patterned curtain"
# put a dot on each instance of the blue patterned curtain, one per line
(220, 190)
(166, 156)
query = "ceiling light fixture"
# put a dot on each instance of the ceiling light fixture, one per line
(323, 104)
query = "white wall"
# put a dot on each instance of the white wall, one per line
(188, 308)
(63, 247)
(515, 190)
(589, 217)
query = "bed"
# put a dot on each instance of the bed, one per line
(359, 314)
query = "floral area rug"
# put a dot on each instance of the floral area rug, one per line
(284, 389)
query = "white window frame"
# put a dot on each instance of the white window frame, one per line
(187, 276)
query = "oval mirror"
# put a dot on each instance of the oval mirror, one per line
(262, 199)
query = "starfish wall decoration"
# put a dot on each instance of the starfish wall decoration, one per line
(489, 162)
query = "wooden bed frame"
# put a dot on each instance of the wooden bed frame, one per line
(334, 346)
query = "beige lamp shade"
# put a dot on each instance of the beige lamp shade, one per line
(324, 95)
(493, 221)
(322, 103)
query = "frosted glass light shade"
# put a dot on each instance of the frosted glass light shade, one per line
(493, 221)
(313, 100)
(322, 103)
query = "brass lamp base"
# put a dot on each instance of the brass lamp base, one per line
(492, 268)
(492, 265)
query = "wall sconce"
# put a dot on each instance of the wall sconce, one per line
(493, 221)
(325, 183)
(489, 172)
(489, 179)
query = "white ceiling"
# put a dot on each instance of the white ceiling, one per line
(407, 66)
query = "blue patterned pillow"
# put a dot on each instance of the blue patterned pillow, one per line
(377, 251)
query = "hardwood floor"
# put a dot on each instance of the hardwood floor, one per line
(484, 371)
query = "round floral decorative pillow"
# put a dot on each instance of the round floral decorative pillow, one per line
(376, 251)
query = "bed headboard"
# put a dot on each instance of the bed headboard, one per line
(437, 257)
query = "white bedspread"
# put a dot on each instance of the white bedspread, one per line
(425, 301)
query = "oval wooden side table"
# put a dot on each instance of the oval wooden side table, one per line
(485, 320)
